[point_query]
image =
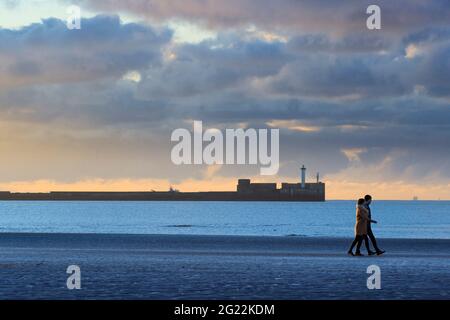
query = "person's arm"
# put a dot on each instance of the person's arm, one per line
(366, 215)
(372, 221)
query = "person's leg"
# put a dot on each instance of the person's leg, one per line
(372, 238)
(366, 242)
(355, 241)
(358, 247)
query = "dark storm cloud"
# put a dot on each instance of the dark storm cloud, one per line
(210, 66)
(335, 76)
(353, 43)
(434, 71)
(333, 16)
(428, 35)
(49, 52)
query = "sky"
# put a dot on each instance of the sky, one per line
(94, 109)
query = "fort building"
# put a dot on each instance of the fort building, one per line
(301, 190)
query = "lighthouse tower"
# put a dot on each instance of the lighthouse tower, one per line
(303, 169)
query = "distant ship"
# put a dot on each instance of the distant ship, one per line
(245, 191)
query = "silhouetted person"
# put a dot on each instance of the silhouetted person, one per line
(368, 201)
(362, 221)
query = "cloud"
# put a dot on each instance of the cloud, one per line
(293, 125)
(48, 52)
(305, 15)
(212, 66)
(132, 76)
(353, 155)
(412, 51)
(347, 189)
(11, 4)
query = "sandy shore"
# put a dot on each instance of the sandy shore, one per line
(33, 266)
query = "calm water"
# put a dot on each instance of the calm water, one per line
(398, 219)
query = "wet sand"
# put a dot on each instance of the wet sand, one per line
(33, 266)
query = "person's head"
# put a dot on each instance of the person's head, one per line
(368, 198)
(361, 202)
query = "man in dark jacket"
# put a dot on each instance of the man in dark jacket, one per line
(368, 199)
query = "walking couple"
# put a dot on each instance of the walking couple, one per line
(363, 229)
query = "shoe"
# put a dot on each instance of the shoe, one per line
(350, 253)
(380, 252)
(359, 254)
(371, 253)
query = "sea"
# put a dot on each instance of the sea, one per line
(396, 219)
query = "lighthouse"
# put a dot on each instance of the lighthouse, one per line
(303, 169)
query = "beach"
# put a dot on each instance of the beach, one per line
(122, 266)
